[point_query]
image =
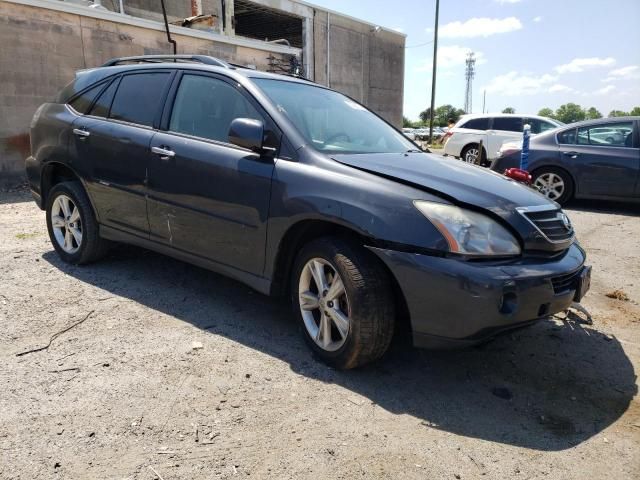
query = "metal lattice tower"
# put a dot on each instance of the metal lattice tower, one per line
(470, 72)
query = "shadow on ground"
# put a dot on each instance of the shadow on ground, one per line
(17, 195)
(606, 207)
(548, 387)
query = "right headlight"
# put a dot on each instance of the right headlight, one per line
(468, 232)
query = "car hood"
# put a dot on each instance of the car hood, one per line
(462, 184)
(453, 179)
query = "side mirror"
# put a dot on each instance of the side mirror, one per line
(247, 133)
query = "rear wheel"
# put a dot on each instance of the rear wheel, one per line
(72, 226)
(342, 298)
(554, 183)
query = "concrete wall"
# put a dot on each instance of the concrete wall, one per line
(43, 47)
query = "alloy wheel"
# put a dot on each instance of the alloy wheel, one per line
(471, 155)
(550, 185)
(324, 304)
(66, 224)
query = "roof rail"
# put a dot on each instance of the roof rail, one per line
(207, 60)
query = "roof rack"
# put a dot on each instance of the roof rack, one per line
(205, 59)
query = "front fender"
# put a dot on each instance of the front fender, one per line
(373, 207)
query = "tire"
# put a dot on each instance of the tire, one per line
(469, 150)
(367, 302)
(545, 177)
(77, 250)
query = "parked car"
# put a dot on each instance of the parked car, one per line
(409, 133)
(593, 159)
(463, 140)
(297, 190)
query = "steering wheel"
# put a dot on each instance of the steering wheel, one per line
(337, 135)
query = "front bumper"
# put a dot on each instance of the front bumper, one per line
(456, 303)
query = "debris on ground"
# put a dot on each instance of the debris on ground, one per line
(618, 295)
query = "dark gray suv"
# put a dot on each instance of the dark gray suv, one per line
(295, 189)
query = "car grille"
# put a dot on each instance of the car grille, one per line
(564, 283)
(550, 223)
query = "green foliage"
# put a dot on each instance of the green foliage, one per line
(406, 123)
(592, 114)
(546, 112)
(509, 110)
(442, 115)
(635, 112)
(618, 113)
(570, 112)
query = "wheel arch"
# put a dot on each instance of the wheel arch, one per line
(306, 230)
(54, 173)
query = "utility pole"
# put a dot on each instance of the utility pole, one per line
(484, 100)
(435, 63)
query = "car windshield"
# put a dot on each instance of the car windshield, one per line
(331, 122)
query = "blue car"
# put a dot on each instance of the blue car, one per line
(597, 159)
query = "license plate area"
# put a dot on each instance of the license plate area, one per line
(583, 284)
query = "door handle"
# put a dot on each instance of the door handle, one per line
(571, 154)
(165, 153)
(81, 132)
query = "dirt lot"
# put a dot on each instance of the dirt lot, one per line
(184, 372)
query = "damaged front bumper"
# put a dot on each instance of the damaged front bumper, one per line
(455, 303)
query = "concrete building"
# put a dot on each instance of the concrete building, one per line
(45, 41)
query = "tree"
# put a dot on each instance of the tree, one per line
(635, 112)
(569, 113)
(509, 110)
(425, 115)
(592, 114)
(442, 115)
(618, 113)
(546, 112)
(406, 122)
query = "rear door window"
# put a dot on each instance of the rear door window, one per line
(508, 124)
(139, 98)
(477, 124)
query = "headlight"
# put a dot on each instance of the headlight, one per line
(468, 232)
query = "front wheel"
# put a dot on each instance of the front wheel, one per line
(342, 298)
(72, 226)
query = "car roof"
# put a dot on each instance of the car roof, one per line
(494, 115)
(600, 121)
(87, 77)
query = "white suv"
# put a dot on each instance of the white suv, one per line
(463, 140)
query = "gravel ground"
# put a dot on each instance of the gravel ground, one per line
(185, 373)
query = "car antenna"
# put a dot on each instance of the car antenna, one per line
(166, 26)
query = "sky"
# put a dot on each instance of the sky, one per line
(530, 53)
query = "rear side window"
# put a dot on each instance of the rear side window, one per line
(568, 137)
(508, 124)
(103, 103)
(476, 124)
(82, 102)
(138, 98)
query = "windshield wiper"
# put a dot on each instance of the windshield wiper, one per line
(413, 150)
